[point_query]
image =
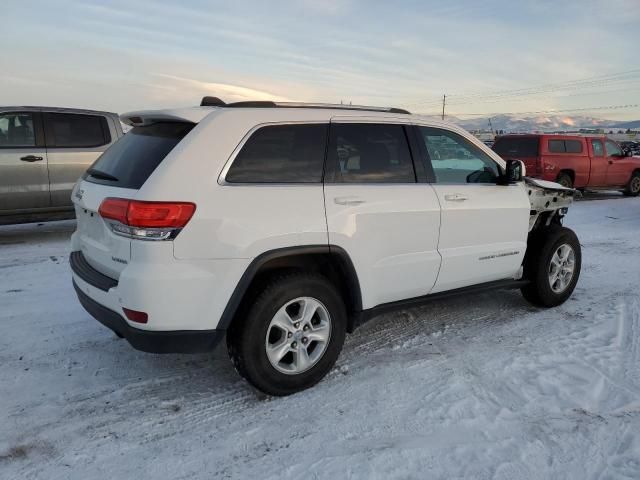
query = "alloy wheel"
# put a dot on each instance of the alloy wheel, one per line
(561, 268)
(298, 335)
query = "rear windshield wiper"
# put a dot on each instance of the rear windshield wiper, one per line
(103, 175)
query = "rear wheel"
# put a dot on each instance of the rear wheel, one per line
(633, 187)
(552, 266)
(565, 180)
(291, 336)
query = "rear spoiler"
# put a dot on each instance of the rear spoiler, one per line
(149, 117)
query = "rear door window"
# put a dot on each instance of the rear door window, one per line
(130, 161)
(369, 153)
(281, 154)
(598, 149)
(74, 130)
(516, 147)
(17, 130)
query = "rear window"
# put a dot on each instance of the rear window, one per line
(130, 161)
(281, 154)
(516, 147)
(72, 130)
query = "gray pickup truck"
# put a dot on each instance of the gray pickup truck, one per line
(43, 152)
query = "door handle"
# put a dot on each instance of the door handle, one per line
(30, 158)
(456, 197)
(348, 201)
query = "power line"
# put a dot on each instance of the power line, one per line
(589, 82)
(606, 107)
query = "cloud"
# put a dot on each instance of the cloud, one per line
(228, 92)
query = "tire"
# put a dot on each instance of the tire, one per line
(538, 268)
(565, 180)
(257, 341)
(633, 187)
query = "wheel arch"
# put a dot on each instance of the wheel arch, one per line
(330, 260)
(568, 171)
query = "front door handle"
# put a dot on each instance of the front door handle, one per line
(456, 197)
(348, 201)
(31, 158)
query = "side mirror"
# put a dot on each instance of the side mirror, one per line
(514, 172)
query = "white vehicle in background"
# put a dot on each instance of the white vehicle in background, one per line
(285, 226)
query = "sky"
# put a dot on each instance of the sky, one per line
(488, 57)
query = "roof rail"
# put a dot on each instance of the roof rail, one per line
(216, 102)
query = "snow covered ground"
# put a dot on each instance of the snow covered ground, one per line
(478, 387)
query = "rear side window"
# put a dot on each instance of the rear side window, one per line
(516, 147)
(556, 146)
(73, 130)
(130, 161)
(369, 153)
(281, 154)
(565, 146)
(573, 146)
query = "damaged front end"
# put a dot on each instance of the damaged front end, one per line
(549, 202)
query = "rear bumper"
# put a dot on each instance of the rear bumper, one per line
(179, 341)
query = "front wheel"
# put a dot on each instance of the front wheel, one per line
(552, 266)
(633, 187)
(292, 335)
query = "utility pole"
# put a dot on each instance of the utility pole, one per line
(444, 101)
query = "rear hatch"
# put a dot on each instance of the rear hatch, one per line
(522, 148)
(119, 172)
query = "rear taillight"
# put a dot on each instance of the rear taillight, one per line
(146, 220)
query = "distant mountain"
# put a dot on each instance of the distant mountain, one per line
(632, 124)
(518, 123)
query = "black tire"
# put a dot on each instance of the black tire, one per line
(247, 335)
(633, 187)
(565, 180)
(537, 264)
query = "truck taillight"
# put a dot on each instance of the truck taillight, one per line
(146, 220)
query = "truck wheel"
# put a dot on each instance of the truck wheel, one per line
(552, 265)
(292, 335)
(564, 179)
(633, 187)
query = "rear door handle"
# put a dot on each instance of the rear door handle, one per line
(31, 158)
(456, 197)
(348, 201)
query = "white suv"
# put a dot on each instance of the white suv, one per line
(285, 226)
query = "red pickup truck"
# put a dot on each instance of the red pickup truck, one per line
(575, 161)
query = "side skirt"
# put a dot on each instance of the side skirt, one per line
(362, 317)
